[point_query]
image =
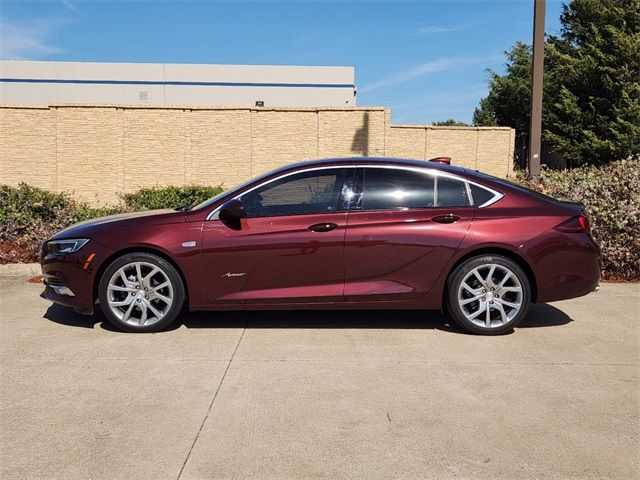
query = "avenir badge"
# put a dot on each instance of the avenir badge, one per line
(230, 274)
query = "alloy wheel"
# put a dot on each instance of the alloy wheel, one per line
(140, 294)
(490, 295)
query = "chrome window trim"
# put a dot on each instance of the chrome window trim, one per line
(435, 191)
(439, 173)
(469, 194)
(425, 170)
(496, 194)
(214, 213)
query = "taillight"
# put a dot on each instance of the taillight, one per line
(577, 224)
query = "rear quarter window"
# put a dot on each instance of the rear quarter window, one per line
(480, 195)
(515, 186)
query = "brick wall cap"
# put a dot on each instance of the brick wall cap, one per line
(446, 127)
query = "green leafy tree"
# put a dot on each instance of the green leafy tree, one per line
(484, 115)
(510, 94)
(591, 103)
(451, 122)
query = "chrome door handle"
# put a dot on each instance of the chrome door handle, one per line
(322, 227)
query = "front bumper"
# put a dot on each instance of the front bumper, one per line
(69, 279)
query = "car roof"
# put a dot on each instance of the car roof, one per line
(374, 161)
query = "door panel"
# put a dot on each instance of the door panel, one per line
(401, 233)
(274, 259)
(396, 255)
(290, 246)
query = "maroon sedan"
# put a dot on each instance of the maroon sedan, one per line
(333, 234)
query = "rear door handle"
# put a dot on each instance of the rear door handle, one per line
(322, 227)
(449, 218)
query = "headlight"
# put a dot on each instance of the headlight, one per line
(71, 245)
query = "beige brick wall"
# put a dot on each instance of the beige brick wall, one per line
(96, 152)
(219, 146)
(155, 148)
(346, 133)
(28, 147)
(89, 146)
(279, 138)
(407, 142)
(489, 149)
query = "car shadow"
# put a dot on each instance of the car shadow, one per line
(539, 315)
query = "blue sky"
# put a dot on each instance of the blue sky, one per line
(426, 60)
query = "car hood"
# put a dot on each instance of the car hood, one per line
(122, 220)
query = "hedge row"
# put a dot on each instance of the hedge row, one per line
(29, 215)
(611, 194)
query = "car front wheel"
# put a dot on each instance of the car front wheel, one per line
(488, 294)
(141, 292)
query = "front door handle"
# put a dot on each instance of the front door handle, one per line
(322, 227)
(449, 218)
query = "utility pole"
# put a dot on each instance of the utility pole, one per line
(535, 132)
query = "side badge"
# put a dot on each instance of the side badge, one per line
(192, 243)
(231, 274)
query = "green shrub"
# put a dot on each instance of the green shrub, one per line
(29, 215)
(168, 197)
(611, 195)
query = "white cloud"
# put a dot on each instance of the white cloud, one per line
(445, 97)
(29, 40)
(428, 29)
(411, 73)
(435, 29)
(436, 66)
(70, 5)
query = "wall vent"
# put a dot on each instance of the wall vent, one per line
(143, 97)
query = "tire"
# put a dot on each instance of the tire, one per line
(467, 297)
(143, 306)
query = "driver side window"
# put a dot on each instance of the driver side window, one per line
(318, 191)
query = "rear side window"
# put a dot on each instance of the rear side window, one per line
(480, 195)
(386, 188)
(452, 193)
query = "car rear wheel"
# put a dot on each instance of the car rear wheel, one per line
(488, 294)
(141, 292)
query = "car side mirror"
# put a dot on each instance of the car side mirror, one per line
(231, 213)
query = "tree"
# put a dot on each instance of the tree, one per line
(484, 115)
(509, 95)
(591, 103)
(450, 122)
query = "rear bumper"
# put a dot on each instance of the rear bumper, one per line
(69, 279)
(566, 265)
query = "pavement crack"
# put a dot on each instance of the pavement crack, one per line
(215, 395)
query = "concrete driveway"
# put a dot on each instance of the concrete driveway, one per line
(363, 395)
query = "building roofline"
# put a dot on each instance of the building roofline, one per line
(249, 65)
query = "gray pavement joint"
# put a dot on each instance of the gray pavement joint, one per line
(215, 395)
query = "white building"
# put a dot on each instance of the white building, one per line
(44, 83)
